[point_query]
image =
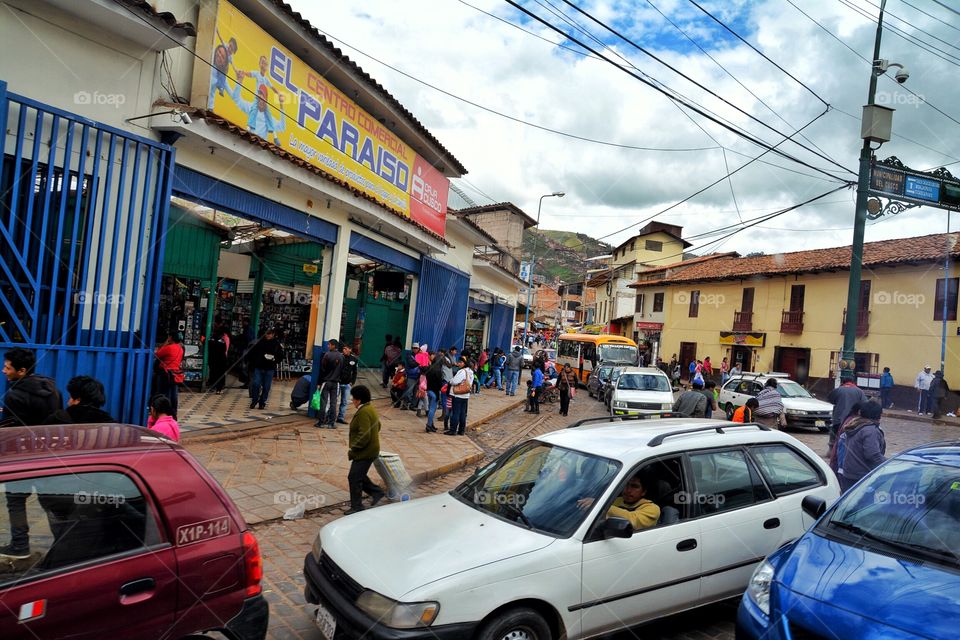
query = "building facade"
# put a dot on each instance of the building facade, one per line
(786, 312)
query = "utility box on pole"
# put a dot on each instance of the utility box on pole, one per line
(877, 123)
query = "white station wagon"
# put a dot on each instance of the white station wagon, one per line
(525, 548)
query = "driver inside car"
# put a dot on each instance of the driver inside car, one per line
(631, 505)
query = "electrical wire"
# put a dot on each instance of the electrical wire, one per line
(686, 77)
(951, 9)
(929, 48)
(887, 12)
(930, 15)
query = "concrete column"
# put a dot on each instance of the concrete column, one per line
(332, 286)
(414, 285)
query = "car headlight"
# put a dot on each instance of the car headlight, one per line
(398, 615)
(666, 406)
(315, 550)
(758, 589)
(795, 412)
(620, 404)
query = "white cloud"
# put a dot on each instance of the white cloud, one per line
(472, 55)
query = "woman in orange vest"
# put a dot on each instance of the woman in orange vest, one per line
(745, 413)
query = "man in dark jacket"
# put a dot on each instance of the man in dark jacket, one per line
(844, 399)
(330, 367)
(29, 400)
(860, 446)
(348, 377)
(264, 357)
(83, 407)
(938, 393)
(364, 448)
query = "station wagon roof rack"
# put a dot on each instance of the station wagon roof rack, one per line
(763, 374)
(658, 440)
(638, 416)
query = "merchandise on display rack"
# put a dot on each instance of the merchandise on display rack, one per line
(288, 313)
(183, 308)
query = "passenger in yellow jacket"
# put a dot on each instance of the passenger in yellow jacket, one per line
(631, 504)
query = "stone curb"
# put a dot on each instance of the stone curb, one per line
(912, 417)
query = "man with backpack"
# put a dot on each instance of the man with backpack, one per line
(860, 446)
(497, 362)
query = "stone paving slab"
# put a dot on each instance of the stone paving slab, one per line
(269, 467)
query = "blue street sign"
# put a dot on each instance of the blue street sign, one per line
(922, 188)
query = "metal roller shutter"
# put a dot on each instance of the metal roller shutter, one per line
(441, 316)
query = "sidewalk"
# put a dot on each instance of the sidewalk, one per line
(910, 415)
(270, 465)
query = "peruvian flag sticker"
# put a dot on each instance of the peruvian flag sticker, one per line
(32, 610)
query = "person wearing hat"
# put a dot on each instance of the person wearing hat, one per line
(938, 394)
(331, 367)
(860, 447)
(844, 399)
(922, 384)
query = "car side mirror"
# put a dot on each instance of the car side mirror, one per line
(617, 528)
(814, 506)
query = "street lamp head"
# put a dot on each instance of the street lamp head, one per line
(558, 194)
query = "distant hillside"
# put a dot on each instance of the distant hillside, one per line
(561, 254)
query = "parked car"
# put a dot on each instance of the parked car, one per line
(597, 378)
(528, 550)
(129, 537)
(641, 390)
(609, 386)
(882, 563)
(801, 409)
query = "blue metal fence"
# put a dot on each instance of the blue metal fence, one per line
(81, 204)
(501, 326)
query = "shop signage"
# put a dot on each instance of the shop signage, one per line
(260, 86)
(743, 339)
(310, 268)
(649, 326)
(937, 188)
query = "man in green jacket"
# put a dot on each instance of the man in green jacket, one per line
(364, 449)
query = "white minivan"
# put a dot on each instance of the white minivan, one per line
(525, 548)
(641, 390)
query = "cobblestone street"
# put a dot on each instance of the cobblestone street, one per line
(285, 543)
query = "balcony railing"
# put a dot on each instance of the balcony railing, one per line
(791, 322)
(743, 320)
(863, 322)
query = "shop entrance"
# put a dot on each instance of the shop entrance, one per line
(376, 303)
(227, 273)
(742, 356)
(476, 331)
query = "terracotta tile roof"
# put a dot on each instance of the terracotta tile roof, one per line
(659, 273)
(920, 249)
(212, 118)
(164, 16)
(376, 86)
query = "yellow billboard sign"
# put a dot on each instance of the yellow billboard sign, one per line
(259, 85)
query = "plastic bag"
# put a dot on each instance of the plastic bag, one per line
(390, 467)
(316, 401)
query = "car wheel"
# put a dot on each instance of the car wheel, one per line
(589, 391)
(729, 411)
(516, 624)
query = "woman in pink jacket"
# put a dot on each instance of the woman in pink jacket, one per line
(160, 419)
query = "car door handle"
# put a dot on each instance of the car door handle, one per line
(772, 523)
(137, 591)
(687, 545)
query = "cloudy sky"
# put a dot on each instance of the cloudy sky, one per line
(647, 153)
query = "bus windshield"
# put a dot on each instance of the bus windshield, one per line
(618, 353)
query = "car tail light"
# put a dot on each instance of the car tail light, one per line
(252, 564)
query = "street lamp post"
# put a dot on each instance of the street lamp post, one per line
(533, 250)
(847, 365)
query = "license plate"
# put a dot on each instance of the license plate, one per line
(820, 423)
(326, 622)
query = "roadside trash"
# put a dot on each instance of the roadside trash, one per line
(295, 512)
(395, 476)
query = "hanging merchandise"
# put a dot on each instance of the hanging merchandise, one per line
(182, 309)
(288, 313)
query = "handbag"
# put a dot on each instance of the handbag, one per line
(463, 387)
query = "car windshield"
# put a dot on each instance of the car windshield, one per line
(643, 382)
(618, 353)
(604, 373)
(790, 389)
(538, 486)
(906, 507)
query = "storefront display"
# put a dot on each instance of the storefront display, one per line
(288, 313)
(476, 323)
(183, 308)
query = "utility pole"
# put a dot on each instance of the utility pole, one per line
(847, 365)
(533, 253)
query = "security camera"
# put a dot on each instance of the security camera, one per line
(184, 117)
(902, 75)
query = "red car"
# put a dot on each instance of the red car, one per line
(126, 536)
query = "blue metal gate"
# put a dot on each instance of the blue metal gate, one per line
(441, 316)
(501, 326)
(80, 206)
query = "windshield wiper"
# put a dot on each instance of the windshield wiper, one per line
(903, 546)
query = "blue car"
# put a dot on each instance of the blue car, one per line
(882, 563)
